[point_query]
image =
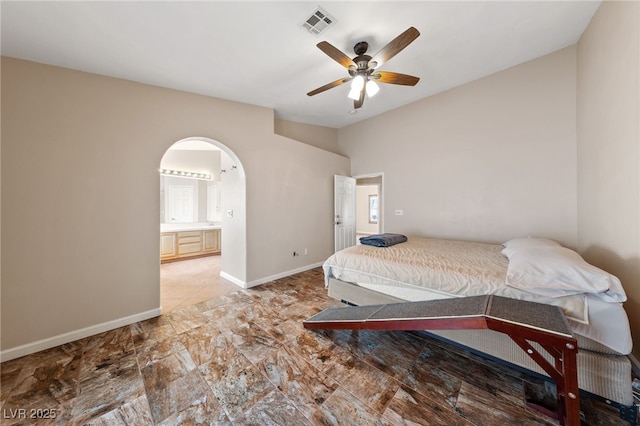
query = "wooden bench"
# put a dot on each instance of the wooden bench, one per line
(522, 321)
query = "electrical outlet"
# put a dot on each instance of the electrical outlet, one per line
(306, 251)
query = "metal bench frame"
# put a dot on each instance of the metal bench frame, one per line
(548, 328)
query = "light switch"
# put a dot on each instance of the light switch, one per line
(399, 212)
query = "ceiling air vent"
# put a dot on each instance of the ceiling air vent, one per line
(319, 21)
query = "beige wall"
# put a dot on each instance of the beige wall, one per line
(608, 109)
(80, 200)
(320, 136)
(487, 161)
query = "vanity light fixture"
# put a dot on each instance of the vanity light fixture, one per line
(180, 173)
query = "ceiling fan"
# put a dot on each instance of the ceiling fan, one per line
(362, 68)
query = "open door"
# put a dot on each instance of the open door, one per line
(344, 207)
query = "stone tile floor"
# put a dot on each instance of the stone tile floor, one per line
(244, 359)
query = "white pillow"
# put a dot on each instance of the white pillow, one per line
(558, 271)
(517, 243)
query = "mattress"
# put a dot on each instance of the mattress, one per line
(431, 269)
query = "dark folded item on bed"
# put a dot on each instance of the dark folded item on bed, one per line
(383, 240)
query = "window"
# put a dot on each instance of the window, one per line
(373, 208)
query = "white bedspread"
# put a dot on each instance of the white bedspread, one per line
(429, 269)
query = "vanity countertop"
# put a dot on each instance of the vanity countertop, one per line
(180, 227)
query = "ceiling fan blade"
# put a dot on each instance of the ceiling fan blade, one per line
(394, 47)
(329, 86)
(395, 78)
(335, 54)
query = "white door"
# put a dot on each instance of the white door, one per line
(180, 204)
(344, 207)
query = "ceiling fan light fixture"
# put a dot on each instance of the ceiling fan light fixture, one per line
(372, 88)
(357, 83)
(354, 93)
(362, 68)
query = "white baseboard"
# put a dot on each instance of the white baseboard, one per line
(264, 280)
(233, 279)
(282, 275)
(71, 336)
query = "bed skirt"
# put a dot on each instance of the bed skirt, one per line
(601, 371)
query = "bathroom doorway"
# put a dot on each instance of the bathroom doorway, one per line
(369, 204)
(202, 223)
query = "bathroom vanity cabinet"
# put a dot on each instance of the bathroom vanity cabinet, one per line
(186, 243)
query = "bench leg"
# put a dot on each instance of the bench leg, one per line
(564, 372)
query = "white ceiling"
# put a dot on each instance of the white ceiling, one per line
(258, 52)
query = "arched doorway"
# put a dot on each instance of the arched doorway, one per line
(203, 206)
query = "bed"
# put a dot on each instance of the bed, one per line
(533, 269)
